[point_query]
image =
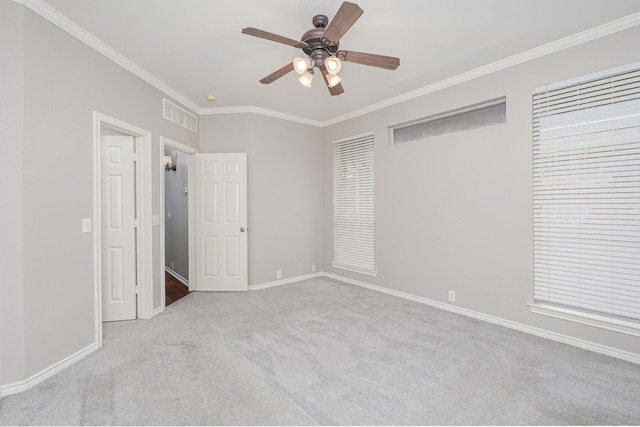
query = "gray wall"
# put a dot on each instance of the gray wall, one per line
(455, 212)
(451, 213)
(284, 162)
(51, 296)
(176, 228)
(11, 226)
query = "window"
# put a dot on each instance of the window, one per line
(488, 113)
(353, 205)
(586, 195)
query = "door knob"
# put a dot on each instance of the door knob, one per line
(242, 229)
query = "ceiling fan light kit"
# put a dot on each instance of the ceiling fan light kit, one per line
(301, 65)
(306, 78)
(333, 80)
(321, 45)
(333, 64)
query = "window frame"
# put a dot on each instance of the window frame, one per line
(354, 232)
(462, 115)
(558, 307)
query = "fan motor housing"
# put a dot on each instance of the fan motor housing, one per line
(313, 38)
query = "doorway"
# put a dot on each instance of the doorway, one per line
(123, 255)
(176, 251)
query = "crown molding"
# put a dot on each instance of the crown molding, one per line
(44, 10)
(261, 111)
(53, 16)
(531, 54)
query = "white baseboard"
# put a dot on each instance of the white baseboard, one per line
(576, 342)
(177, 276)
(284, 281)
(17, 387)
(157, 311)
(20, 386)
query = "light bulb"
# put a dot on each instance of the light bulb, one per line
(301, 65)
(306, 78)
(333, 80)
(333, 65)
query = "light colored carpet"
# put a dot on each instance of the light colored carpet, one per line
(324, 352)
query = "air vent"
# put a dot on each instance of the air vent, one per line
(180, 116)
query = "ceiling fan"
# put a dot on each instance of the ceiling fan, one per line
(321, 46)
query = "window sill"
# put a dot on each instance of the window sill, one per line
(354, 269)
(622, 326)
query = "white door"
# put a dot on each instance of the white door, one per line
(118, 234)
(220, 182)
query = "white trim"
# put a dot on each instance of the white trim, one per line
(592, 319)
(588, 78)
(144, 192)
(529, 55)
(47, 12)
(354, 269)
(284, 281)
(55, 17)
(143, 205)
(576, 342)
(176, 276)
(369, 134)
(166, 142)
(32, 381)
(263, 112)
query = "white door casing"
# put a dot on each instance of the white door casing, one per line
(117, 228)
(220, 182)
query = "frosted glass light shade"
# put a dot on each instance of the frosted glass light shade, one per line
(306, 79)
(333, 80)
(301, 65)
(333, 65)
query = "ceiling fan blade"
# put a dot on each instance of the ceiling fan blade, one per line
(274, 37)
(380, 61)
(340, 24)
(337, 89)
(277, 74)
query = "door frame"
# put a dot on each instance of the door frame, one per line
(144, 242)
(178, 146)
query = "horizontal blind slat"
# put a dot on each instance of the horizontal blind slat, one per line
(586, 184)
(354, 203)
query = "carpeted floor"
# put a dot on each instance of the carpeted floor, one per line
(323, 352)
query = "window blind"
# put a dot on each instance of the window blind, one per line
(586, 195)
(353, 207)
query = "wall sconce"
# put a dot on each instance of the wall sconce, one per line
(168, 164)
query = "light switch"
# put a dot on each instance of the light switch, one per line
(86, 225)
(155, 219)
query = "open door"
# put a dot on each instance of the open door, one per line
(118, 233)
(220, 211)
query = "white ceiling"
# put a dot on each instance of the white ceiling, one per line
(196, 47)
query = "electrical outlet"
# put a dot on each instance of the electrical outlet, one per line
(279, 274)
(313, 268)
(452, 296)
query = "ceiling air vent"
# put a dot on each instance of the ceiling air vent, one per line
(180, 116)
